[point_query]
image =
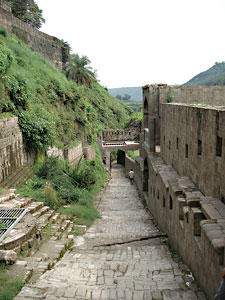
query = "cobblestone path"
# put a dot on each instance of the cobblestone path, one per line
(120, 257)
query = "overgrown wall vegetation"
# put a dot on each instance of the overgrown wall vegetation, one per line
(51, 109)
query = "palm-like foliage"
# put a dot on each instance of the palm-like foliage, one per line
(79, 69)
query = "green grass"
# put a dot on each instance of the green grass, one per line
(85, 214)
(9, 285)
(58, 175)
(133, 154)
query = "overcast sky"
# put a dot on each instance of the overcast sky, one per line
(138, 42)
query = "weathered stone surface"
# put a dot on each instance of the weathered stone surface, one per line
(118, 258)
(9, 256)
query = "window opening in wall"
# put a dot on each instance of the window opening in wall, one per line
(145, 114)
(218, 146)
(158, 194)
(164, 139)
(177, 143)
(169, 145)
(186, 150)
(153, 192)
(222, 198)
(199, 147)
(171, 203)
(164, 201)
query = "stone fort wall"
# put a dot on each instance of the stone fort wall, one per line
(192, 140)
(48, 46)
(183, 185)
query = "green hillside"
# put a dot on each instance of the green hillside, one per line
(213, 76)
(52, 109)
(135, 93)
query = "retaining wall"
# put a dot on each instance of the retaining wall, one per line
(11, 147)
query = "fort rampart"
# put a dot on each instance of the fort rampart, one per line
(49, 46)
(183, 184)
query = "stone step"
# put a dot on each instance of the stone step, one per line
(34, 206)
(37, 214)
(55, 218)
(8, 195)
(44, 219)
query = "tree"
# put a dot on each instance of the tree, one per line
(119, 97)
(28, 12)
(126, 97)
(79, 69)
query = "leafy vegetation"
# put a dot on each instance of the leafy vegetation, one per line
(79, 69)
(57, 183)
(27, 11)
(9, 286)
(133, 154)
(213, 76)
(51, 108)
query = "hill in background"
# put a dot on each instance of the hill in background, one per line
(213, 76)
(135, 93)
(132, 96)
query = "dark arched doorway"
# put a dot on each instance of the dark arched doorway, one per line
(145, 176)
(121, 157)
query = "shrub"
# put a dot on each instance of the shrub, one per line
(50, 196)
(18, 89)
(6, 59)
(3, 32)
(38, 129)
(84, 175)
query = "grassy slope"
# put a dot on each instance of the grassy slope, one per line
(75, 110)
(213, 76)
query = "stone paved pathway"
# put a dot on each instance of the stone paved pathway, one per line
(120, 257)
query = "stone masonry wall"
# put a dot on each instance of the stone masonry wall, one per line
(121, 135)
(208, 95)
(48, 46)
(73, 155)
(195, 224)
(193, 141)
(89, 152)
(11, 147)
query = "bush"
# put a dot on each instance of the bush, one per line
(3, 32)
(84, 175)
(6, 59)
(18, 89)
(50, 196)
(38, 129)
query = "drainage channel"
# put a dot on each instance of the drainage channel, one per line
(9, 218)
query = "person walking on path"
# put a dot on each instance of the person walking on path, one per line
(220, 295)
(131, 176)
